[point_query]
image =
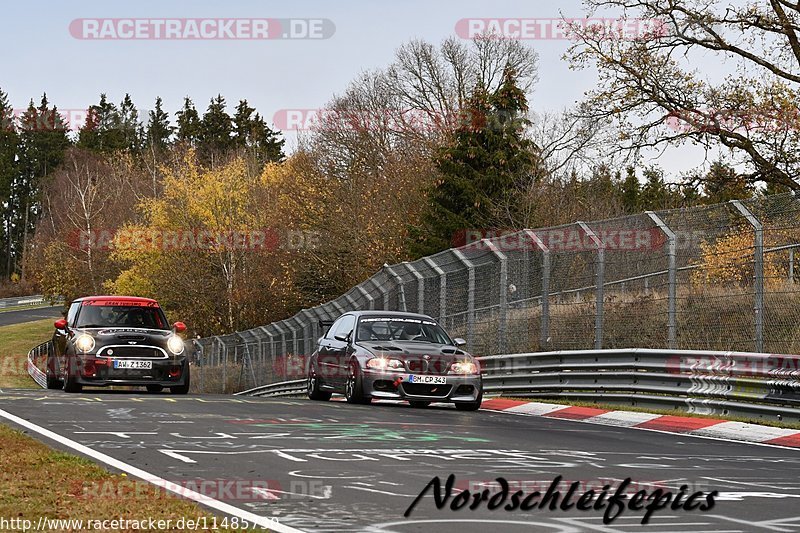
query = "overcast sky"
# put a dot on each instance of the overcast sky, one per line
(41, 52)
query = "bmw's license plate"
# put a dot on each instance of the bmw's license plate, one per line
(133, 364)
(434, 380)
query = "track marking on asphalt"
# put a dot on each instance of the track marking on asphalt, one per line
(218, 505)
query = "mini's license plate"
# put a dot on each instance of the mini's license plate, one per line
(435, 380)
(133, 364)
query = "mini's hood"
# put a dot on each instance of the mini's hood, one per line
(132, 336)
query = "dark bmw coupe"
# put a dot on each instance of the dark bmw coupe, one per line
(369, 355)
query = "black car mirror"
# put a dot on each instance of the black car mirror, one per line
(342, 338)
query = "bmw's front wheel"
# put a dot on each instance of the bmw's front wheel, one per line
(354, 387)
(313, 390)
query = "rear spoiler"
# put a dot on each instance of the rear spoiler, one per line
(325, 325)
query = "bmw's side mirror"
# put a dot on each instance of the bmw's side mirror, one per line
(459, 342)
(342, 338)
(60, 324)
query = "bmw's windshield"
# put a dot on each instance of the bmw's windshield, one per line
(401, 329)
(117, 316)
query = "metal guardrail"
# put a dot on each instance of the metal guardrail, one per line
(21, 301)
(296, 387)
(751, 385)
(33, 358)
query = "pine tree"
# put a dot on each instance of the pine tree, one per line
(216, 128)
(631, 190)
(480, 167)
(158, 130)
(109, 129)
(9, 146)
(129, 127)
(188, 123)
(43, 141)
(251, 133)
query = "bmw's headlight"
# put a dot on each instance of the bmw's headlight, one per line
(464, 367)
(175, 345)
(383, 363)
(84, 343)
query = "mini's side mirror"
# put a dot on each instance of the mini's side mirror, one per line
(61, 323)
(179, 327)
(459, 342)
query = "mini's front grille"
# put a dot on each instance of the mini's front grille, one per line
(132, 352)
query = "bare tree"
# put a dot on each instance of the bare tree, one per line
(649, 86)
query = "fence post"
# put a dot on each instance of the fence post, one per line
(470, 295)
(599, 281)
(758, 253)
(442, 286)
(544, 335)
(401, 297)
(420, 287)
(366, 295)
(502, 333)
(672, 280)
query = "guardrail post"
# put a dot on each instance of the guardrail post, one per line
(470, 295)
(401, 297)
(502, 333)
(383, 292)
(758, 263)
(442, 286)
(672, 280)
(544, 335)
(599, 281)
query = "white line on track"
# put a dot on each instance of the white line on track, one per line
(220, 506)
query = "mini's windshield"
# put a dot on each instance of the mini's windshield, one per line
(125, 316)
(401, 329)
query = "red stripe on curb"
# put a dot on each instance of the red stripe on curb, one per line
(500, 404)
(788, 440)
(678, 424)
(577, 413)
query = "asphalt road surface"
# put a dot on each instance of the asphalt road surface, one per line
(338, 467)
(29, 315)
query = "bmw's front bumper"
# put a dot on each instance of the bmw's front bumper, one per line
(398, 386)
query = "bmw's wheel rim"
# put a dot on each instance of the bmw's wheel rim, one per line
(312, 382)
(350, 387)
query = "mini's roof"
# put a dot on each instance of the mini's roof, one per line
(115, 298)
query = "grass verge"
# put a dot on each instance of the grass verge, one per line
(36, 481)
(16, 341)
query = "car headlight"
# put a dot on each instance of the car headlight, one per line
(84, 343)
(175, 345)
(383, 363)
(463, 367)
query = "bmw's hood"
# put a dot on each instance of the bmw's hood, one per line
(411, 348)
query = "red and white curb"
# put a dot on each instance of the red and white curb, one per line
(696, 427)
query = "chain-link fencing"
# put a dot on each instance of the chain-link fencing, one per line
(718, 277)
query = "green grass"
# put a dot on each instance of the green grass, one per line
(36, 481)
(16, 341)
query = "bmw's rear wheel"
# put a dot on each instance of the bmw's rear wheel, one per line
(313, 390)
(354, 387)
(71, 373)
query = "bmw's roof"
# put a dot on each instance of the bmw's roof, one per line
(387, 313)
